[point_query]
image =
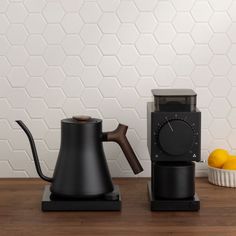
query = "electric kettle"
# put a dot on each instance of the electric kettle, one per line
(81, 169)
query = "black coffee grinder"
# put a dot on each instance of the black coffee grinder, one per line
(174, 142)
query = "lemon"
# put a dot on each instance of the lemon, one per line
(217, 158)
(230, 164)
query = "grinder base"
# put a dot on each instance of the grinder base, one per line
(110, 202)
(191, 204)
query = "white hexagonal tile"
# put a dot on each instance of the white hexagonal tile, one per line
(145, 5)
(183, 44)
(201, 54)
(91, 55)
(219, 43)
(72, 87)
(127, 11)
(232, 97)
(127, 33)
(17, 55)
(165, 54)
(146, 44)
(73, 66)
(216, 86)
(232, 54)
(232, 117)
(72, 44)
(220, 65)
(109, 23)
(204, 97)
(183, 65)
(201, 11)
(5, 108)
(231, 138)
(3, 5)
(165, 11)
(17, 34)
(4, 45)
(53, 33)
(54, 55)
(145, 85)
(146, 65)
(232, 32)
(206, 118)
(127, 55)
(52, 139)
(35, 5)
(220, 5)
(5, 87)
(109, 108)
(201, 76)
(35, 23)
(165, 33)
(232, 10)
(219, 107)
(183, 82)
(54, 76)
(91, 76)
(73, 106)
(54, 97)
(219, 128)
(109, 44)
(18, 98)
(4, 24)
(38, 128)
(90, 34)
(206, 139)
(128, 76)
(146, 22)
(4, 65)
(35, 45)
(52, 118)
(16, 12)
(108, 5)
(18, 77)
(72, 5)
(53, 12)
(231, 75)
(36, 108)
(127, 97)
(220, 22)
(164, 76)
(36, 66)
(72, 23)
(109, 66)
(201, 33)
(183, 22)
(109, 87)
(90, 12)
(183, 5)
(91, 97)
(36, 87)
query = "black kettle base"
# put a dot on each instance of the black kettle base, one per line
(110, 202)
(192, 204)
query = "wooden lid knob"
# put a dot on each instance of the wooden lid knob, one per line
(82, 118)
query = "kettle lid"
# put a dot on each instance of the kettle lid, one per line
(81, 119)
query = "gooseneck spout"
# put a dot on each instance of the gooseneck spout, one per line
(34, 151)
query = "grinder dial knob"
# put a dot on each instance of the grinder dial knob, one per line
(176, 137)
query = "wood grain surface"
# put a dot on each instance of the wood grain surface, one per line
(20, 213)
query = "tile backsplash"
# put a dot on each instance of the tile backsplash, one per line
(60, 58)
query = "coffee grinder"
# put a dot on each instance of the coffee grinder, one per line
(174, 143)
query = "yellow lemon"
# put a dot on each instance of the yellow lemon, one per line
(230, 164)
(217, 158)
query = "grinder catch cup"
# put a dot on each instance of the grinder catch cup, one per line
(81, 179)
(174, 142)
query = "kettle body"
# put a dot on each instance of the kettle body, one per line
(81, 169)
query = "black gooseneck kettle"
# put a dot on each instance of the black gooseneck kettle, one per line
(81, 169)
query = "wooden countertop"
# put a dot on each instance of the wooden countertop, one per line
(20, 213)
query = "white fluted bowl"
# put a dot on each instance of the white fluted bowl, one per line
(221, 177)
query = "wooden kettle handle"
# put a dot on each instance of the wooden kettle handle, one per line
(119, 136)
